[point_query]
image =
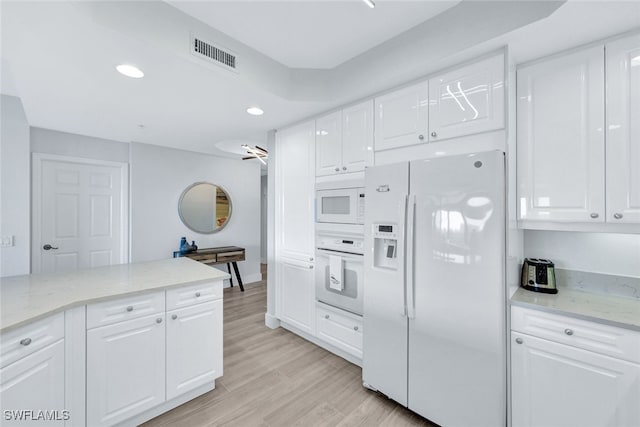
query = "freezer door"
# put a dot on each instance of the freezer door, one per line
(457, 341)
(384, 365)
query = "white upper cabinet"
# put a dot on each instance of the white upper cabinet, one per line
(329, 144)
(344, 140)
(357, 137)
(560, 117)
(623, 130)
(294, 191)
(467, 100)
(402, 117)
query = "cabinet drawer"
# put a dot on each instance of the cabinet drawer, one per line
(341, 329)
(131, 307)
(27, 339)
(604, 339)
(193, 294)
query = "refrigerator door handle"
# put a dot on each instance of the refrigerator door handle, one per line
(409, 295)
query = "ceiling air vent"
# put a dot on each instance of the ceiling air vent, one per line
(211, 53)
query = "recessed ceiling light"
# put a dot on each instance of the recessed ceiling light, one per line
(255, 111)
(370, 3)
(130, 71)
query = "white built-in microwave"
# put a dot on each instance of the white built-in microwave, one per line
(340, 205)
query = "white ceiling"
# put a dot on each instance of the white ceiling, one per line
(60, 57)
(312, 34)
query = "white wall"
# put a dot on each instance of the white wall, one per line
(15, 179)
(263, 219)
(69, 144)
(609, 253)
(158, 177)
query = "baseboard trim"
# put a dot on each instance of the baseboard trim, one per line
(249, 278)
(271, 321)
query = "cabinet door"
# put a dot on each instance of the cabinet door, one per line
(623, 130)
(467, 100)
(558, 385)
(294, 191)
(402, 117)
(357, 137)
(34, 382)
(297, 294)
(194, 347)
(561, 138)
(329, 144)
(125, 369)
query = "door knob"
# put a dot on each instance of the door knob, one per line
(594, 215)
(337, 169)
(174, 316)
(617, 215)
(434, 134)
(519, 340)
(344, 168)
(421, 137)
(568, 331)
(48, 247)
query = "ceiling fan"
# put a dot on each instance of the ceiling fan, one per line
(256, 153)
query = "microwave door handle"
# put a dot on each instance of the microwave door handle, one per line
(409, 255)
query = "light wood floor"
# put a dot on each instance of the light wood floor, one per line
(275, 378)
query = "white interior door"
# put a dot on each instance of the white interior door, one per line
(79, 214)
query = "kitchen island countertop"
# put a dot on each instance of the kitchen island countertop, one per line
(33, 296)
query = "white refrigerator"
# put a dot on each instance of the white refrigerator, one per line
(434, 335)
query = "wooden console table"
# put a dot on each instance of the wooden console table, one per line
(220, 255)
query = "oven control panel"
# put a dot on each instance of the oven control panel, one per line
(354, 244)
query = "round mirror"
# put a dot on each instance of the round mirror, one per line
(204, 208)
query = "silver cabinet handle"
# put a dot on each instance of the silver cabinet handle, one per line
(434, 134)
(617, 215)
(355, 328)
(421, 137)
(130, 308)
(311, 259)
(594, 215)
(197, 294)
(25, 341)
(159, 320)
(568, 331)
(311, 267)
(337, 169)
(344, 168)
(519, 340)
(174, 316)
(326, 316)
(48, 247)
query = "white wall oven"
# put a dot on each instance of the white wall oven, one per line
(340, 266)
(340, 203)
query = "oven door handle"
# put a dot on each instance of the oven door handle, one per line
(346, 255)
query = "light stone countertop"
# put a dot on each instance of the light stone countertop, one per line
(27, 298)
(607, 309)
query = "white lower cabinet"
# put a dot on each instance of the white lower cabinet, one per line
(125, 369)
(296, 281)
(341, 329)
(194, 354)
(34, 383)
(150, 361)
(573, 380)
